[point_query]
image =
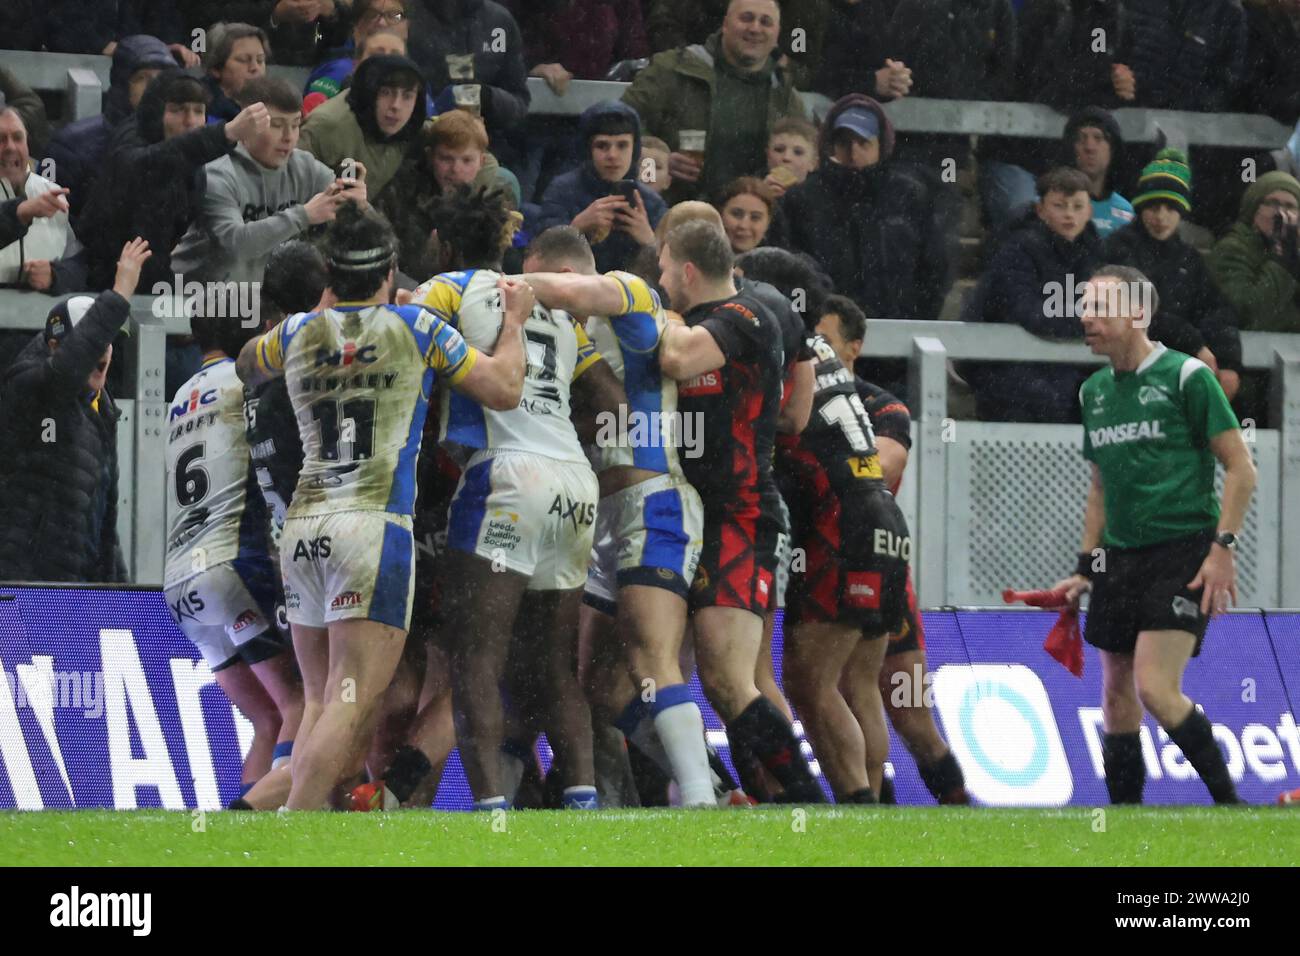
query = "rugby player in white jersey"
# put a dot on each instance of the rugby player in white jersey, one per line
(650, 519)
(220, 580)
(360, 373)
(520, 524)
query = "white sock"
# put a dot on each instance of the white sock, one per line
(681, 731)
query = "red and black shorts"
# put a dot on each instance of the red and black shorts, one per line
(738, 563)
(855, 555)
(911, 636)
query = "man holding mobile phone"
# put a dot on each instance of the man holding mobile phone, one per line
(609, 198)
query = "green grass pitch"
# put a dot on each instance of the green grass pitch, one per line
(821, 836)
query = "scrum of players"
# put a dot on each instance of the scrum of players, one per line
(503, 506)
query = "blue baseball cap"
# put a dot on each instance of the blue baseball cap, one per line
(860, 120)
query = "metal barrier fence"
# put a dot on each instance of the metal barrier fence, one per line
(989, 504)
(82, 78)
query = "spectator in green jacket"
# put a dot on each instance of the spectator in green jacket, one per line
(1257, 263)
(730, 88)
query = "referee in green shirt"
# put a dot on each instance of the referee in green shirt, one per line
(1158, 547)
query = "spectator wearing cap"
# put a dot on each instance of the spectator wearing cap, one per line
(47, 257)
(79, 149)
(1257, 263)
(1193, 317)
(869, 223)
(151, 185)
(58, 441)
(237, 53)
(453, 151)
(730, 87)
(263, 192)
(375, 122)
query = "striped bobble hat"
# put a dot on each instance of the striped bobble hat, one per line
(1168, 178)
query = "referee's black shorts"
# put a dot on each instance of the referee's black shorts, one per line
(1145, 589)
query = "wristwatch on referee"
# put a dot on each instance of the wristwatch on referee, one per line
(1226, 539)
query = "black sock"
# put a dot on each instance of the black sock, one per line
(239, 803)
(887, 790)
(1126, 771)
(944, 779)
(408, 768)
(865, 795)
(765, 732)
(747, 768)
(651, 782)
(1195, 738)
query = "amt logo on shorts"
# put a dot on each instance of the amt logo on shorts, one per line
(1000, 725)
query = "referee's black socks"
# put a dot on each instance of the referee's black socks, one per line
(409, 767)
(1126, 771)
(1195, 738)
(763, 730)
(944, 780)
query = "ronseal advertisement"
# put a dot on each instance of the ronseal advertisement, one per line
(105, 704)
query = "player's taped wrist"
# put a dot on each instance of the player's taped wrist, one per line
(1083, 567)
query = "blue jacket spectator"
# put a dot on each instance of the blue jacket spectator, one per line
(568, 200)
(78, 149)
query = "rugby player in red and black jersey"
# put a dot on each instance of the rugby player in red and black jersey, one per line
(844, 325)
(728, 359)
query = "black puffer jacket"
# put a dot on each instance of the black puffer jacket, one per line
(874, 231)
(150, 187)
(58, 458)
(1184, 54)
(1192, 313)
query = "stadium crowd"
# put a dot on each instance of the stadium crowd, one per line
(407, 195)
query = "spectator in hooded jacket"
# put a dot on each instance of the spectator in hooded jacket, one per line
(1094, 146)
(263, 192)
(1257, 263)
(151, 185)
(237, 53)
(731, 87)
(369, 18)
(379, 43)
(375, 122)
(58, 441)
(1032, 282)
(472, 43)
(1180, 54)
(604, 198)
(1193, 317)
(78, 150)
(47, 258)
(869, 223)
